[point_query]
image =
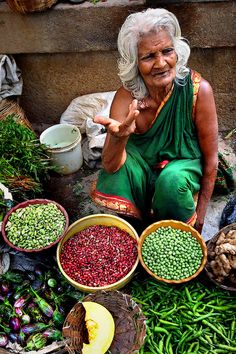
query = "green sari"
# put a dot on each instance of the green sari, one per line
(140, 186)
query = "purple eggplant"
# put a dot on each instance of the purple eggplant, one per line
(14, 324)
(25, 319)
(21, 289)
(3, 340)
(19, 311)
(21, 301)
(4, 288)
(52, 333)
(43, 305)
(13, 337)
(32, 328)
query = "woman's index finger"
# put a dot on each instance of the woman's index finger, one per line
(133, 112)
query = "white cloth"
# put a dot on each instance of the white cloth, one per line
(10, 77)
(80, 113)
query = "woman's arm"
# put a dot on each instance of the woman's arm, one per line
(207, 130)
(123, 112)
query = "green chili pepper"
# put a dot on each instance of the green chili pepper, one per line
(214, 328)
(169, 323)
(232, 329)
(183, 315)
(161, 330)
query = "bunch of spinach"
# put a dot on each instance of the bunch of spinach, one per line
(23, 160)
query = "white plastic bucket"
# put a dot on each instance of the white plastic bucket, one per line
(63, 142)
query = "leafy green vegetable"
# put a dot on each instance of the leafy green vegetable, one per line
(24, 161)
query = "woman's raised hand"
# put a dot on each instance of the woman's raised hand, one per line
(121, 129)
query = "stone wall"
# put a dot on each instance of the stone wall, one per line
(70, 50)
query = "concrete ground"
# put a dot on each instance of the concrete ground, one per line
(72, 191)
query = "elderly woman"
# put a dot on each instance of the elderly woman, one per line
(161, 146)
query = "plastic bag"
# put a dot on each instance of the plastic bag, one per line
(80, 112)
(10, 77)
(229, 213)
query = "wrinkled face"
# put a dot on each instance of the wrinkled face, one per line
(157, 60)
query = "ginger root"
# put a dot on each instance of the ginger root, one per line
(232, 261)
(221, 238)
(225, 248)
(222, 259)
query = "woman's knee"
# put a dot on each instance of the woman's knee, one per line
(172, 183)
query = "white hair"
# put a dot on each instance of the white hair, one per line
(137, 25)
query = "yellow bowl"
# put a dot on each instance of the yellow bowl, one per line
(176, 225)
(84, 223)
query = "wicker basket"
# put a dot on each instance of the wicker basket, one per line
(8, 106)
(25, 6)
(211, 247)
(130, 323)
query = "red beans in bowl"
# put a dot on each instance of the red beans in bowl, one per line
(99, 255)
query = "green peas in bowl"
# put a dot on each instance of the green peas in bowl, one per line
(172, 251)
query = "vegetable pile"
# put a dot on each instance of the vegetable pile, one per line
(35, 226)
(188, 319)
(23, 160)
(172, 254)
(222, 258)
(33, 307)
(99, 255)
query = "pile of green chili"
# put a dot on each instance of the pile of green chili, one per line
(192, 318)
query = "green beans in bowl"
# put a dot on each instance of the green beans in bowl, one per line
(172, 251)
(35, 225)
